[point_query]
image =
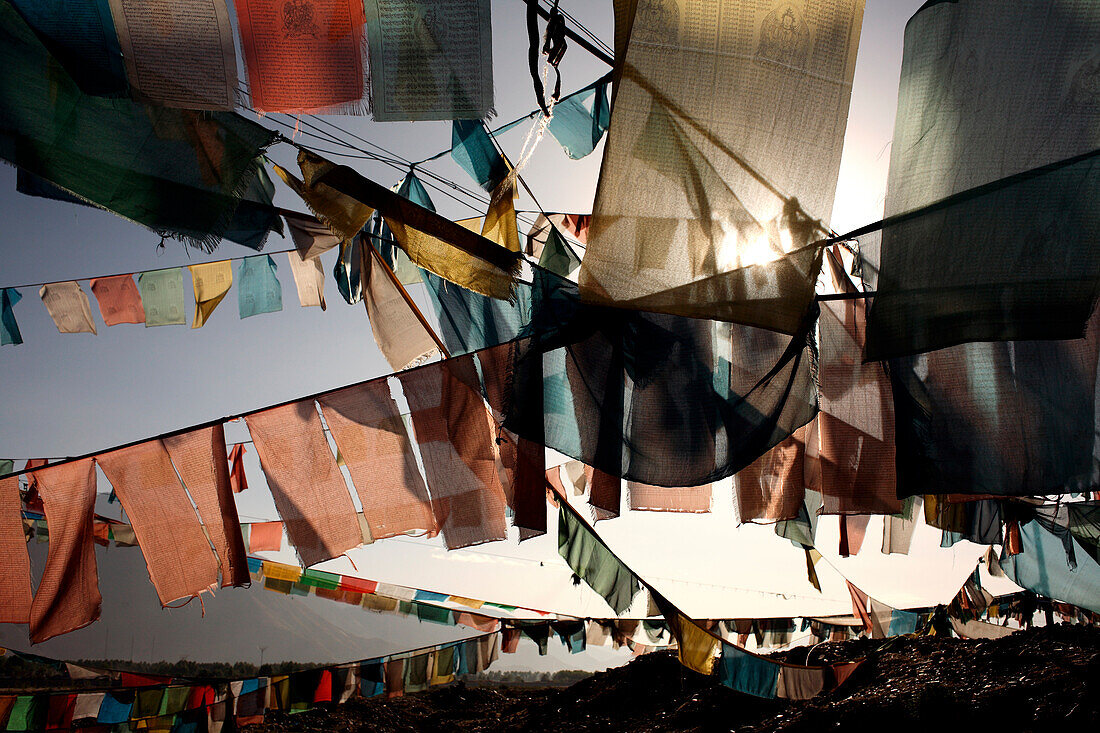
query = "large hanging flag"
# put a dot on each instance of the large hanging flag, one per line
(81, 36)
(210, 282)
(722, 158)
(177, 551)
(178, 53)
(371, 435)
(68, 306)
(306, 483)
(430, 60)
(304, 55)
(67, 597)
(996, 103)
(119, 300)
(178, 172)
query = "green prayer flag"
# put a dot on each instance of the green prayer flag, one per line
(27, 712)
(179, 172)
(580, 120)
(9, 329)
(162, 297)
(475, 153)
(556, 256)
(320, 579)
(594, 563)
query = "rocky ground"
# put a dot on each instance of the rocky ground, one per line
(1037, 680)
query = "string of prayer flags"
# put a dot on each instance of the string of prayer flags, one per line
(304, 56)
(178, 172)
(309, 280)
(81, 35)
(178, 53)
(1001, 187)
(401, 336)
(176, 550)
(211, 281)
(712, 185)
(430, 61)
(434, 243)
(67, 597)
(119, 300)
(68, 306)
(452, 429)
(368, 429)
(15, 575)
(258, 287)
(199, 459)
(474, 152)
(9, 328)
(580, 120)
(305, 482)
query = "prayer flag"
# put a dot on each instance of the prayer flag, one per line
(68, 592)
(370, 433)
(305, 482)
(311, 237)
(557, 256)
(694, 499)
(344, 215)
(162, 297)
(178, 172)
(265, 537)
(211, 281)
(452, 430)
(500, 220)
(714, 183)
(15, 575)
(258, 287)
(68, 306)
(995, 191)
(199, 459)
(475, 153)
(580, 120)
(748, 673)
(594, 563)
(9, 328)
(401, 336)
(309, 279)
(348, 270)
(237, 478)
(430, 61)
(177, 551)
(119, 299)
(178, 53)
(304, 55)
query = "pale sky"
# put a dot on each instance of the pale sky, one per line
(71, 394)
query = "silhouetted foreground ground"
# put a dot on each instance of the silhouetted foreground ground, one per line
(1038, 680)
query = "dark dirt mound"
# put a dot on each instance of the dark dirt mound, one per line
(1034, 680)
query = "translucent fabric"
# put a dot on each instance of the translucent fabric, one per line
(593, 562)
(772, 487)
(400, 334)
(68, 306)
(713, 174)
(306, 483)
(200, 460)
(67, 597)
(694, 499)
(9, 327)
(258, 287)
(176, 550)
(177, 172)
(119, 300)
(162, 297)
(473, 150)
(452, 430)
(370, 433)
(580, 120)
(1041, 567)
(1003, 262)
(210, 284)
(1003, 418)
(15, 577)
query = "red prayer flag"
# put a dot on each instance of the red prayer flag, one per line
(119, 299)
(265, 537)
(237, 479)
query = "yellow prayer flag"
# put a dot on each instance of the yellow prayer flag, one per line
(698, 649)
(344, 215)
(500, 219)
(278, 571)
(211, 282)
